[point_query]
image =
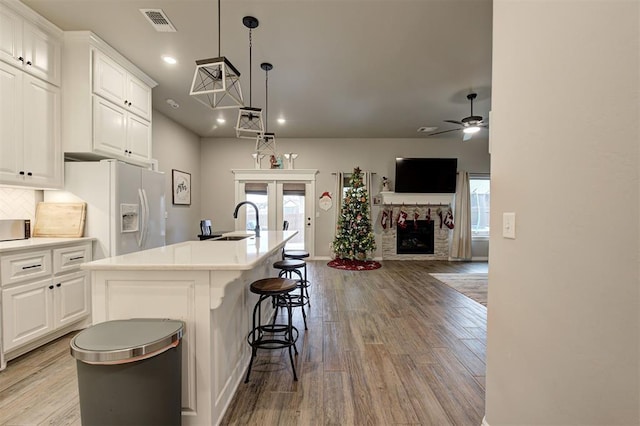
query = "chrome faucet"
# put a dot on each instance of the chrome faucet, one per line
(235, 215)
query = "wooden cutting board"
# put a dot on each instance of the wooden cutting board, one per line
(62, 220)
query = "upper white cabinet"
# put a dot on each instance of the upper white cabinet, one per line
(30, 147)
(30, 99)
(107, 102)
(29, 42)
(113, 82)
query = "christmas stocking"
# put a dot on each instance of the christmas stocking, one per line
(402, 219)
(384, 219)
(439, 213)
(416, 215)
(448, 219)
(428, 215)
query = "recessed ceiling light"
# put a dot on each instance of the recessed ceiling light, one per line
(221, 120)
(169, 59)
(281, 121)
(173, 103)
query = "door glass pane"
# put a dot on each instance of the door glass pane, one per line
(262, 201)
(293, 212)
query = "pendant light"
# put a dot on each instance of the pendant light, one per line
(249, 123)
(216, 82)
(266, 142)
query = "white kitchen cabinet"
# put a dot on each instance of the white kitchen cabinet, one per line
(113, 82)
(29, 42)
(107, 102)
(29, 130)
(120, 133)
(44, 295)
(26, 313)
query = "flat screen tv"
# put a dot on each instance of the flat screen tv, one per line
(426, 175)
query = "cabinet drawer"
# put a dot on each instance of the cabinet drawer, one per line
(69, 258)
(20, 267)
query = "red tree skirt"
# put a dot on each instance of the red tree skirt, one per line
(354, 265)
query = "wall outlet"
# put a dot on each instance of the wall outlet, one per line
(509, 225)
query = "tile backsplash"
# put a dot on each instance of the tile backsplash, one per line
(19, 203)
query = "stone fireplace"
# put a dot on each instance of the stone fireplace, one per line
(424, 236)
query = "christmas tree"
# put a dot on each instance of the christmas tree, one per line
(354, 235)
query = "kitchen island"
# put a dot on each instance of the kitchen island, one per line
(206, 285)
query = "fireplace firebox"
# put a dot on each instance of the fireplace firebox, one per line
(415, 238)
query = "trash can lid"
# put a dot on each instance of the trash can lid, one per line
(128, 340)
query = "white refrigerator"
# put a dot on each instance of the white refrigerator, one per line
(125, 204)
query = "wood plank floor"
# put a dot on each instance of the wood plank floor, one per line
(385, 347)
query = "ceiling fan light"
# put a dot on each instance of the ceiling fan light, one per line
(471, 129)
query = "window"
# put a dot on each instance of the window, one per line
(257, 194)
(479, 187)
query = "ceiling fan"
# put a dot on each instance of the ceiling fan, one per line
(470, 125)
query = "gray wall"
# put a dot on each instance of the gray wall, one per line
(219, 156)
(563, 325)
(177, 148)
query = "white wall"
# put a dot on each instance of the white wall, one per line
(219, 156)
(178, 148)
(563, 324)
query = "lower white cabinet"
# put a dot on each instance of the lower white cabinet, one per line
(34, 307)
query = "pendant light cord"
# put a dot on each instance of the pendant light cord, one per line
(250, 66)
(219, 36)
(266, 101)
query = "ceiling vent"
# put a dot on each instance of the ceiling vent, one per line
(158, 20)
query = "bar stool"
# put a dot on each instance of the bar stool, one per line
(274, 335)
(289, 267)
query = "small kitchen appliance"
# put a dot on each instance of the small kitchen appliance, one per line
(15, 229)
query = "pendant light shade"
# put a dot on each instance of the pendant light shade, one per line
(249, 124)
(266, 142)
(216, 82)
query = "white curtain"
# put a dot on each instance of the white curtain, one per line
(461, 240)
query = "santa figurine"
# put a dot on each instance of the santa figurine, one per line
(325, 201)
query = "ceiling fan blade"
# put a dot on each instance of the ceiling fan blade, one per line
(454, 122)
(444, 131)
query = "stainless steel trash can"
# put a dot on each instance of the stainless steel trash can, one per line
(130, 372)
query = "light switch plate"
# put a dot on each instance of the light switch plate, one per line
(509, 225)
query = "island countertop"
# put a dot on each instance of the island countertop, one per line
(199, 255)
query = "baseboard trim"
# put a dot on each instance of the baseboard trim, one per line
(480, 259)
(484, 421)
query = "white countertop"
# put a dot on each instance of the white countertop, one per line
(199, 255)
(33, 243)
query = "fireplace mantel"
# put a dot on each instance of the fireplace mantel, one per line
(413, 198)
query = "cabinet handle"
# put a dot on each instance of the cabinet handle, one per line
(129, 103)
(76, 258)
(50, 287)
(58, 285)
(125, 102)
(29, 63)
(21, 173)
(32, 266)
(21, 59)
(29, 174)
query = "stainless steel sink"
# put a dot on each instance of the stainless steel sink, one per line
(231, 238)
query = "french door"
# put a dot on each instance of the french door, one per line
(280, 195)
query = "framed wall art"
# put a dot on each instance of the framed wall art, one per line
(181, 184)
